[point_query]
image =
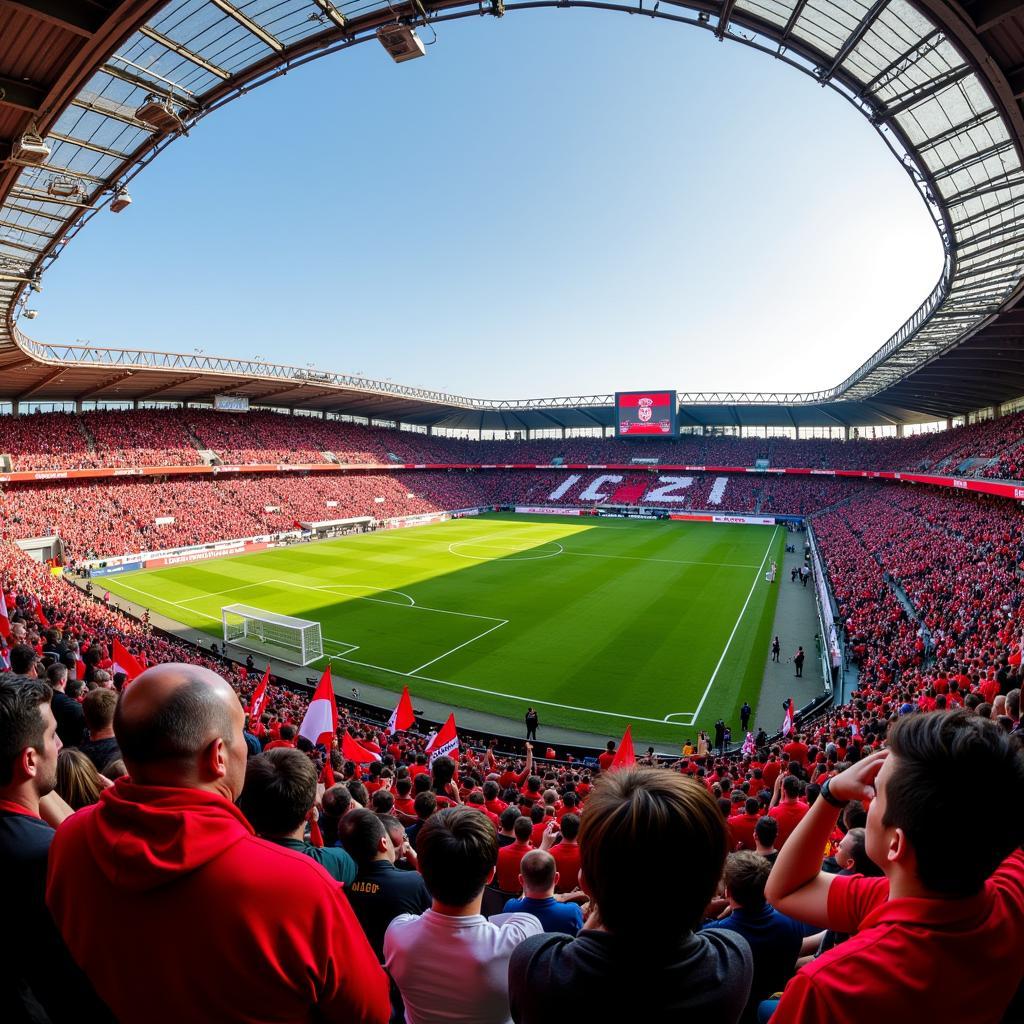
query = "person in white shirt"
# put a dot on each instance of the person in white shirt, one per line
(450, 963)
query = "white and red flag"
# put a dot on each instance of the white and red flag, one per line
(787, 720)
(5, 622)
(122, 661)
(402, 717)
(320, 723)
(624, 756)
(259, 699)
(445, 743)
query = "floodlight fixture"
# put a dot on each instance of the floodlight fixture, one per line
(30, 150)
(121, 201)
(31, 314)
(159, 113)
(401, 42)
(64, 187)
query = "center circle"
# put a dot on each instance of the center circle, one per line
(504, 553)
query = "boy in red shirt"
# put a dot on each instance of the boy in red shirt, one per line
(953, 885)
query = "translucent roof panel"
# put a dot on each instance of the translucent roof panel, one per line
(903, 69)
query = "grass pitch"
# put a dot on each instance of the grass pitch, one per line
(595, 622)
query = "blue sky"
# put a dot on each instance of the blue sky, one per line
(559, 202)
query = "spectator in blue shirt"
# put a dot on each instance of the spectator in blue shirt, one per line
(774, 939)
(538, 876)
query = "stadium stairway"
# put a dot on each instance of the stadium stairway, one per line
(796, 623)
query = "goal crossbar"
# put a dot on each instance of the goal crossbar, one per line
(270, 633)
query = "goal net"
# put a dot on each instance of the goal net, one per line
(293, 640)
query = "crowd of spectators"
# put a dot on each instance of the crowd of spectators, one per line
(120, 516)
(860, 866)
(172, 437)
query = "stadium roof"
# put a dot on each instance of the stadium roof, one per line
(941, 83)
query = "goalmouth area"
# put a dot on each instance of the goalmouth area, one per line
(595, 622)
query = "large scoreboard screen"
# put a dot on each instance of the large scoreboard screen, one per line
(645, 414)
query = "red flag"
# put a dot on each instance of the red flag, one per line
(259, 699)
(353, 750)
(787, 719)
(402, 717)
(37, 610)
(316, 837)
(5, 622)
(327, 773)
(79, 667)
(445, 743)
(320, 723)
(624, 756)
(124, 662)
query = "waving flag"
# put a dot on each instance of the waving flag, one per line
(259, 699)
(327, 773)
(122, 661)
(787, 721)
(402, 717)
(353, 750)
(37, 610)
(445, 743)
(5, 622)
(624, 756)
(320, 723)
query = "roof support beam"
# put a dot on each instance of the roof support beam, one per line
(907, 59)
(724, 14)
(957, 130)
(794, 17)
(83, 17)
(1015, 78)
(854, 38)
(974, 158)
(142, 396)
(332, 12)
(22, 95)
(39, 385)
(165, 89)
(113, 110)
(247, 23)
(916, 96)
(990, 13)
(109, 383)
(91, 146)
(21, 227)
(986, 188)
(184, 51)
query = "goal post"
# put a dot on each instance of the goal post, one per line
(297, 641)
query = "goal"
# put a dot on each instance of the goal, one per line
(293, 640)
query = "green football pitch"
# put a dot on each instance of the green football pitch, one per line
(595, 622)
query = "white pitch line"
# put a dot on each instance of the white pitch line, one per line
(459, 648)
(670, 561)
(519, 698)
(728, 643)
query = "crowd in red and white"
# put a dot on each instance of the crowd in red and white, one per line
(866, 864)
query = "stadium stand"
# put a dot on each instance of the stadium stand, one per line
(164, 437)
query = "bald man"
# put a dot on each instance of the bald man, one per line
(212, 923)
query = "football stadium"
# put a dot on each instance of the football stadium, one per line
(328, 696)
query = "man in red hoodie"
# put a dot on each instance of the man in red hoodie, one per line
(219, 924)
